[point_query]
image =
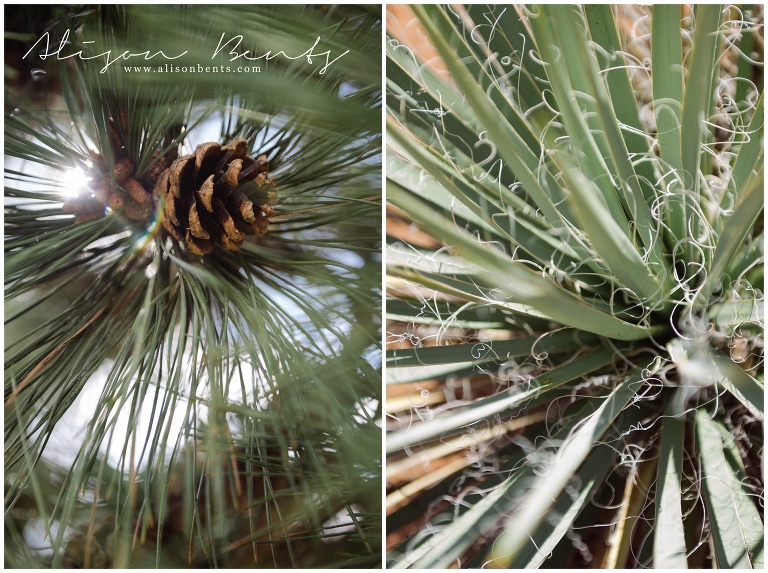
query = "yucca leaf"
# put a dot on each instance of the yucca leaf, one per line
(460, 275)
(454, 540)
(509, 143)
(583, 72)
(698, 98)
(667, 73)
(498, 403)
(570, 73)
(403, 69)
(466, 315)
(565, 511)
(749, 391)
(616, 149)
(419, 373)
(750, 153)
(668, 80)
(603, 30)
(739, 312)
(736, 525)
(735, 230)
(669, 548)
(636, 489)
(632, 187)
(571, 455)
(582, 125)
(477, 201)
(620, 255)
(518, 281)
(563, 341)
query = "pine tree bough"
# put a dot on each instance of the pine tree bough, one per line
(204, 196)
(205, 200)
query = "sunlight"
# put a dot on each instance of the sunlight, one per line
(75, 182)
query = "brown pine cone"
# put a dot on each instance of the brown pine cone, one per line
(84, 208)
(123, 169)
(138, 211)
(154, 172)
(204, 199)
(117, 142)
(136, 190)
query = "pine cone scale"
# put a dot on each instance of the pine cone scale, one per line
(205, 193)
(258, 167)
(206, 157)
(225, 220)
(170, 211)
(198, 246)
(227, 181)
(172, 230)
(237, 202)
(195, 225)
(181, 173)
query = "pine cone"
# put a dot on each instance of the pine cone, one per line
(154, 172)
(129, 196)
(204, 199)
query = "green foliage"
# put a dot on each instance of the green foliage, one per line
(575, 363)
(168, 410)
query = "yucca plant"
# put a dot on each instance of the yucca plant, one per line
(575, 269)
(192, 281)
